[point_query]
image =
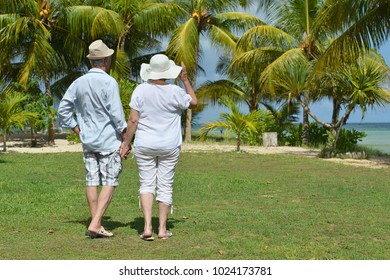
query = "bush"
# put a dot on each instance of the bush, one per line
(348, 140)
(317, 135)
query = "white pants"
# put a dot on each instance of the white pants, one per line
(156, 171)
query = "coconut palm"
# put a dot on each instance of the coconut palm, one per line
(49, 39)
(325, 32)
(291, 37)
(130, 27)
(26, 42)
(361, 24)
(233, 122)
(241, 86)
(12, 114)
(33, 44)
(215, 19)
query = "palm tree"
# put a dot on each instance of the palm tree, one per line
(325, 32)
(291, 37)
(284, 116)
(25, 41)
(240, 86)
(233, 122)
(359, 84)
(128, 26)
(361, 24)
(12, 114)
(215, 19)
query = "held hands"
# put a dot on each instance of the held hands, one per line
(125, 150)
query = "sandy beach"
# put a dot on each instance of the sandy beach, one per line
(22, 144)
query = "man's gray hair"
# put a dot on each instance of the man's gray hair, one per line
(97, 62)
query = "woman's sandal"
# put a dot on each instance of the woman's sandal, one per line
(146, 237)
(168, 234)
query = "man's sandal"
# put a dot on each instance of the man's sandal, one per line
(101, 233)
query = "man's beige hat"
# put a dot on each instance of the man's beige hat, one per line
(160, 67)
(99, 50)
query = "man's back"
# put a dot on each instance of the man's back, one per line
(95, 98)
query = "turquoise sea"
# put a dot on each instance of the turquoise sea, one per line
(378, 135)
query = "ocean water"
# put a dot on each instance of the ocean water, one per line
(378, 135)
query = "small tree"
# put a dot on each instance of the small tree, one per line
(13, 114)
(235, 121)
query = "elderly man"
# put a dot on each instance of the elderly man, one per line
(100, 123)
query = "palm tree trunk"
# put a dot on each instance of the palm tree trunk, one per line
(336, 111)
(305, 132)
(238, 142)
(4, 140)
(50, 116)
(33, 137)
(305, 118)
(188, 130)
(332, 140)
(188, 133)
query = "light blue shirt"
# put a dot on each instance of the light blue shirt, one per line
(99, 113)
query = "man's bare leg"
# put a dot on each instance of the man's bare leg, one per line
(104, 200)
(92, 198)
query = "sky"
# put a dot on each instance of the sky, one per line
(322, 110)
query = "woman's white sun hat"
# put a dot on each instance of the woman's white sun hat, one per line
(99, 50)
(160, 67)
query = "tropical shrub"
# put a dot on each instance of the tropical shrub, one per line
(318, 135)
(12, 114)
(346, 142)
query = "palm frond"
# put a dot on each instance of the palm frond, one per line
(122, 65)
(211, 92)
(236, 21)
(184, 45)
(370, 28)
(265, 35)
(166, 14)
(218, 6)
(41, 59)
(252, 61)
(290, 72)
(91, 22)
(26, 7)
(222, 38)
(7, 19)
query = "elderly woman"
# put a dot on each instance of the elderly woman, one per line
(155, 119)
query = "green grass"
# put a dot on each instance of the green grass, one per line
(226, 206)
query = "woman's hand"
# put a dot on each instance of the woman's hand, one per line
(183, 73)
